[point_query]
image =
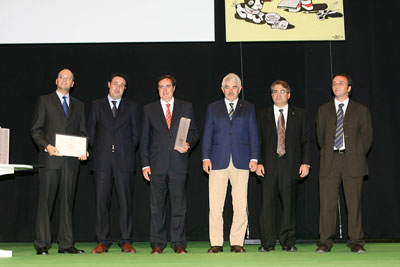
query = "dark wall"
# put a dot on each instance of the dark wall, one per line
(370, 55)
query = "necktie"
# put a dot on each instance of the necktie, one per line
(114, 108)
(281, 150)
(168, 116)
(231, 111)
(339, 127)
(65, 106)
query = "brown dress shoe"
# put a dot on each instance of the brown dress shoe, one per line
(180, 250)
(323, 249)
(100, 248)
(127, 248)
(358, 249)
(237, 249)
(156, 250)
(215, 249)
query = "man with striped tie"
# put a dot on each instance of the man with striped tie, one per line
(165, 167)
(344, 133)
(230, 150)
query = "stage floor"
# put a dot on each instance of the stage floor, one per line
(378, 254)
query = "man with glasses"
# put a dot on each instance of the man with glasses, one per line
(285, 156)
(344, 133)
(165, 167)
(230, 150)
(59, 113)
(113, 127)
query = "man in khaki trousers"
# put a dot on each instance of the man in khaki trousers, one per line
(230, 150)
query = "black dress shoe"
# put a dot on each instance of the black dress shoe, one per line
(42, 251)
(237, 249)
(266, 249)
(291, 248)
(215, 249)
(358, 249)
(70, 250)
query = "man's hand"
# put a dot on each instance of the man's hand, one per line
(207, 166)
(304, 170)
(260, 170)
(252, 166)
(184, 149)
(146, 173)
(84, 157)
(53, 151)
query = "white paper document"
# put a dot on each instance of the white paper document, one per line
(288, 3)
(5, 253)
(71, 145)
(183, 130)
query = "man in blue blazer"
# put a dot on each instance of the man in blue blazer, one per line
(113, 127)
(230, 150)
(165, 167)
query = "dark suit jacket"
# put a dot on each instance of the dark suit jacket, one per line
(105, 131)
(223, 138)
(297, 140)
(49, 119)
(157, 141)
(357, 135)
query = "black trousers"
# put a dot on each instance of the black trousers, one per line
(123, 182)
(173, 184)
(52, 181)
(280, 186)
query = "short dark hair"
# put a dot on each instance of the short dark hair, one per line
(166, 76)
(283, 83)
(123, 76)
(348, 78)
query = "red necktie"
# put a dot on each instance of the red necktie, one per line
(168, 116)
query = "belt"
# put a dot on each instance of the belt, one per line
(340, 151)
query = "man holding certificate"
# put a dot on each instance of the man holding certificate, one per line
(113, 127)
(57, 113)
(165, 167)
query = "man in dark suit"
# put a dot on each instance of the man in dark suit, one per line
(165, 167)
(59, 113)
(230, 149)
(285, 155)
(113, 127)
(344, 133)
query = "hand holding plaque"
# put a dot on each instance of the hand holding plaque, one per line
(70, 145)
(180, 142)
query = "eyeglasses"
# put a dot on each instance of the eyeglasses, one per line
(279, 92)
(68, 78)
(339, 83)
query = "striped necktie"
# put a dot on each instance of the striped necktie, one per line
(65, 106)
(231, 111)
(168, 116)
(339, 127)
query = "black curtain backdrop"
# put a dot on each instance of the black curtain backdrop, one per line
(370, 55)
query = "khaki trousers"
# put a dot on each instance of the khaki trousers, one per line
(218, 183)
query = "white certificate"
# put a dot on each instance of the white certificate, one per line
(183, 130)
(70, 145)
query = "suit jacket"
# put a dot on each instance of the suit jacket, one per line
(237, 137)
(49, 118)
(357, 127)
(297, 140)
(157, 141)
(122, 133)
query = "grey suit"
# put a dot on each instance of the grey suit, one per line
(349, 168)
(59, 174)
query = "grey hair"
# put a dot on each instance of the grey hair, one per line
(230, 77)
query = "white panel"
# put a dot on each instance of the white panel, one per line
(105, 21)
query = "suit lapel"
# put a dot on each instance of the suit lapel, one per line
(289, 124)
(271, 120)
(175, 113)
(160, 113)
(57, 103)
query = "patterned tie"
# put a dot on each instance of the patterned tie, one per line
(339, 127)
(281, 149)
(114, 108)
(168, 116)
(231, 111)
(65, 106)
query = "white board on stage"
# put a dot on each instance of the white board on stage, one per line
(105, 21)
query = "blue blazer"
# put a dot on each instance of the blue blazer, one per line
(223, 138)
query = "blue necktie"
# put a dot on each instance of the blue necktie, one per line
(339, 127)
(231, 111)
(65, 106)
